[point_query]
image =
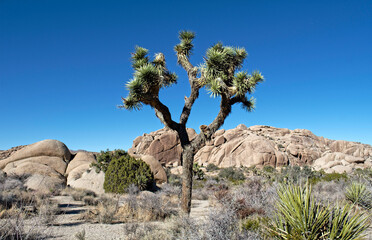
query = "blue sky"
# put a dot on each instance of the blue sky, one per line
(64, 65)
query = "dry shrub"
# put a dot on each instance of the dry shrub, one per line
(47, 211)
(146, 207)
(77, 194)
(105, 212)
(91, 201)
(222, 195)
(144, 231)
(15, 228)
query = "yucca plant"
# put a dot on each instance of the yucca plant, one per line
(347, 225)
(298, 216)
(358, 194)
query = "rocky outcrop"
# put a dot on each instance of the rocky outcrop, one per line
(48, 158)
(9, 152)
(50, 164)
(260, 146)
(159, 173)
(163, 145)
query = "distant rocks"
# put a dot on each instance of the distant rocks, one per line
(259, 146)
(50, 165)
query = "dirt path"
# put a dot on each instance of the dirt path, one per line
(199, 209)
(68, 223)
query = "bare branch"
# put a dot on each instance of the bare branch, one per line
(207, 131)
(163, 113)
(189, 102)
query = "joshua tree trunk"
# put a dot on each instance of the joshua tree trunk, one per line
(187, 175)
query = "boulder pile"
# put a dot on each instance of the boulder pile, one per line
(259, 146)
(49, 164)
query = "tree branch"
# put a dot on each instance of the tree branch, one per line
(163, 113)
(207, 131)
(189, 102)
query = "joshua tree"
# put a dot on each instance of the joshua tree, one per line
(218, 74)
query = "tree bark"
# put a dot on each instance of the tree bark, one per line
(187, 172)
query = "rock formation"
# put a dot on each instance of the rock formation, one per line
(51, 164)
(259, 146)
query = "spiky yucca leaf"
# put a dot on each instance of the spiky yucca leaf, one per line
(135, 87)
(249, 105)
(347, 226)
(139, 57)
(214, 88)
(221, 62)
(358, 194)
(148, 75)
(185, 46)
(298, 216)
(241, 84)
(131, 103)
(186, 35)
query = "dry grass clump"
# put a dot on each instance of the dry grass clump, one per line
(104, 212)
(77, 194)
(144, 231)
(146, 207)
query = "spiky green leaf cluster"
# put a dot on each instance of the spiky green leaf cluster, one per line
(221, 63)
(185, 46)
(148, 78)
(298, 216)
(357, 193)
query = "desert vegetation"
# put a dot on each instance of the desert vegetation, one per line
(232, 203)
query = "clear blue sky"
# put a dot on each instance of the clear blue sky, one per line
(64, 65)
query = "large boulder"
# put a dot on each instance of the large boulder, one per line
(89, 179)
(46, 148)
(163, 145)
(48, 158)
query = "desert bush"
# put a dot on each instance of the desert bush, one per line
(358, 194)
(269, 169)
(105, 211)
(145, 207)
(143, 231)
(212, 167)
(47, 211)
(80, 235)
(14, 228)
(231, 174)
(197, 172)
(91, 201)
(78, 194)
(200, 194)
(298, 216)
(329, 193)
(222, 224)
(170, 190)
(105, 157)
(185, 228)
(126, 170)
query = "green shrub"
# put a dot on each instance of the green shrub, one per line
(269, 169)
(126, 170)
(334, 177)
(232, 174)
(358, 194)
(298, 216)
(197, 172)
(211, 167)
(105, 157)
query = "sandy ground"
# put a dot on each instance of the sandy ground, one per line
(66, 225)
